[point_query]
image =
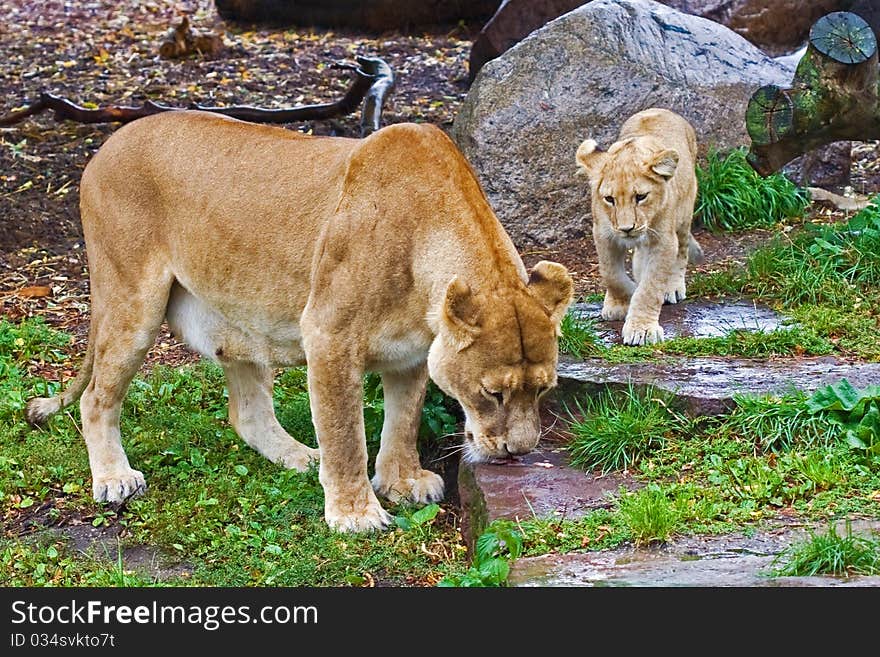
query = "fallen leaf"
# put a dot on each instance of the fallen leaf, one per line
(35, 291)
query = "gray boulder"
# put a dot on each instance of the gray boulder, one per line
(581, 75)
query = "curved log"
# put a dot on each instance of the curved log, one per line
(835, 96)
(372, 81)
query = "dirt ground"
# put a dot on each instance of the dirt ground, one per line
(105, 52)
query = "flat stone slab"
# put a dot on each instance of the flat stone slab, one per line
(540, 484)
(717, 561)
(694, 319)
(707, 385)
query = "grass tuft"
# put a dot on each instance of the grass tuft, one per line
(615, 430)
(732, 196)
(578, 336)
(830, 554)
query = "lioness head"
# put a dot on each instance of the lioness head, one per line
(628, 183)
(496, 353)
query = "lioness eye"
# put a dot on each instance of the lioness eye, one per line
(609, 200)
(497, 396)
(641, 197)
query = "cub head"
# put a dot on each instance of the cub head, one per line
(496, 353)
(628, 184)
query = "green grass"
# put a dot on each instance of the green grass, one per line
(824, 277)
(613, 431)
(578, 336)
(213, 504)
(649, 515)
(830, 554)
(778, 422)
(732, 196)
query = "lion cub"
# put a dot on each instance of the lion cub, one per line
(643, 193)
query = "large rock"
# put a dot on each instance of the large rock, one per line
(581, 76)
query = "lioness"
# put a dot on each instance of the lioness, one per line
(643, 193)
(264, 247)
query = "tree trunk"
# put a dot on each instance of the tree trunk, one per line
(835, 96)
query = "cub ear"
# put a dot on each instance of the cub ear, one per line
(589, 159)
(665, 163)
(551, 284)
(459, 314)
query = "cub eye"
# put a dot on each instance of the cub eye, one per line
(609, 200)
(641, 197)
(496, 396)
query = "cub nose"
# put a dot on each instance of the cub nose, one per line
(627, 229)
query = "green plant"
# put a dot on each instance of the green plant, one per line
(649, 514)
(856, 412)
(777, 422)
(830, 554)
(732, 196)
(498, 546)
(578, 336)
(615, 430)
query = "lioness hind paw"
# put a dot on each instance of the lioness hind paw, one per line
(425, 488)
(300, 459)
(119, 487)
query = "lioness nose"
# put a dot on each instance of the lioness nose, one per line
(627, 229)
(516, 450)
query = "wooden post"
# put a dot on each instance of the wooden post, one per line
(835, 96)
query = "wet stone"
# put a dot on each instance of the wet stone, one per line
(538, 484)
(693, 319)
(706, 386)
(730, 560)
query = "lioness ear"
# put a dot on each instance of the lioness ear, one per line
(551, 284)
(589, 159)
(459, 314)
(665, 163)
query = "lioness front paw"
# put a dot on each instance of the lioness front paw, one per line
(614, 311)
(425, 487)
(638, 333)
(371, 516)
(299, 458)
(119, 486)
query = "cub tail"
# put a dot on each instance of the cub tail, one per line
(695, 251)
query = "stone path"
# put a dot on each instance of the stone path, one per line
(542, 484)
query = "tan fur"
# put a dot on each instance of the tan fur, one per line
(643, 191)
(266, 248)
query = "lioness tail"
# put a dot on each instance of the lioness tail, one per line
(695, 251)
(40, 409)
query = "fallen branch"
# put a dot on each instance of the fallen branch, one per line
(835, 96)
(846, 203)
(373, 79)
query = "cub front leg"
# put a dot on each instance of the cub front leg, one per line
(612, 268)
(399, 474)
(642, 325)
(336, 400)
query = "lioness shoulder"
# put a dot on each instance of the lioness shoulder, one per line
(643, 190)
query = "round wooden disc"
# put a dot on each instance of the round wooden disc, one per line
(844, 37)
(769, 115)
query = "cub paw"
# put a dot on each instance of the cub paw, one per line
(119, 486)
(674, 296)
(361, 518)
(642, 333)
(300, 458)
(614, 311)
(676, 293)
(425, 487)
